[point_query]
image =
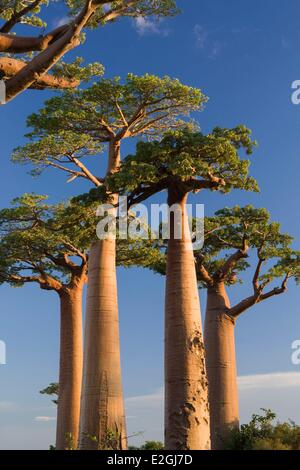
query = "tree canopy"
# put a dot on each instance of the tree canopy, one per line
(238, 238)
(192, 160)
(47, 49)
(77, 124)
(48, 244)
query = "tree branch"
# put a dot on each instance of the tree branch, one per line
(230, 263)
(257, 298)
(202, 274)
(10, 67)
(17, 16)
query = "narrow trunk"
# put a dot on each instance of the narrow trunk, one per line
(221, 366)
(186, 389)
(102, 422)
(70, 368)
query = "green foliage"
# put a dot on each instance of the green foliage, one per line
(233, 228)
(158, 8)
(52, 389)
(141, 105)
(8, 9)
(152, 445)
(149, 445)
(38, 241)
(76, 70)
(76, 123)
(263, 434)
(184, 155)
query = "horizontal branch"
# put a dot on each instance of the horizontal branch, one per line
(21, 44)
(10, 67)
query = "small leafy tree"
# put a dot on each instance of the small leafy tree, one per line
(51, 389)
(261, 433)
(47, 245)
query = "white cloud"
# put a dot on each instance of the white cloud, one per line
(201, 36)
(44, 419)
(146, 400)
(61, 21)
(206, 42)
(276, 380)
(146, 26)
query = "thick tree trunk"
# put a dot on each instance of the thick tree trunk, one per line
(102, 422)
(186, 388)
(70, 368)
(221, 366)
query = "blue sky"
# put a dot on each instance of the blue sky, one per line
(244, 56)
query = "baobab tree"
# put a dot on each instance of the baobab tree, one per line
(237, 239)
(48, 246)
(80, 124)
(49, 48)
(43, 245)
(185, 162)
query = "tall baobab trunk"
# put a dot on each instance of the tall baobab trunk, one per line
(221, 366)
(186, 388)
(70, 368)
(102, 422)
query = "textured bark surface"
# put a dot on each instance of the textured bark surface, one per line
(221, 366)
(70, 368)
(102, 407)
(186, 387)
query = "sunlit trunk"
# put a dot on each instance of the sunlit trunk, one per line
(102, 422)
(186, 390)
(70, 369)
(221, 366)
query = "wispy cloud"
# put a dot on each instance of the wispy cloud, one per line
(212, 41)
(6, 406)
(206, 42)
(146, 400)
(278, 380)
(272, 381)
(44, 419)
(147, 26)
(61, 21)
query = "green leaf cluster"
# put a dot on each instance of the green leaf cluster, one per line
(182, 155)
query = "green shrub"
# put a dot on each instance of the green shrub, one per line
(263, 433)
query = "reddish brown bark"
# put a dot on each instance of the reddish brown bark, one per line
(10, 67)
(221, 365)
(70, 368)
(102, 407)
(186, 388)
